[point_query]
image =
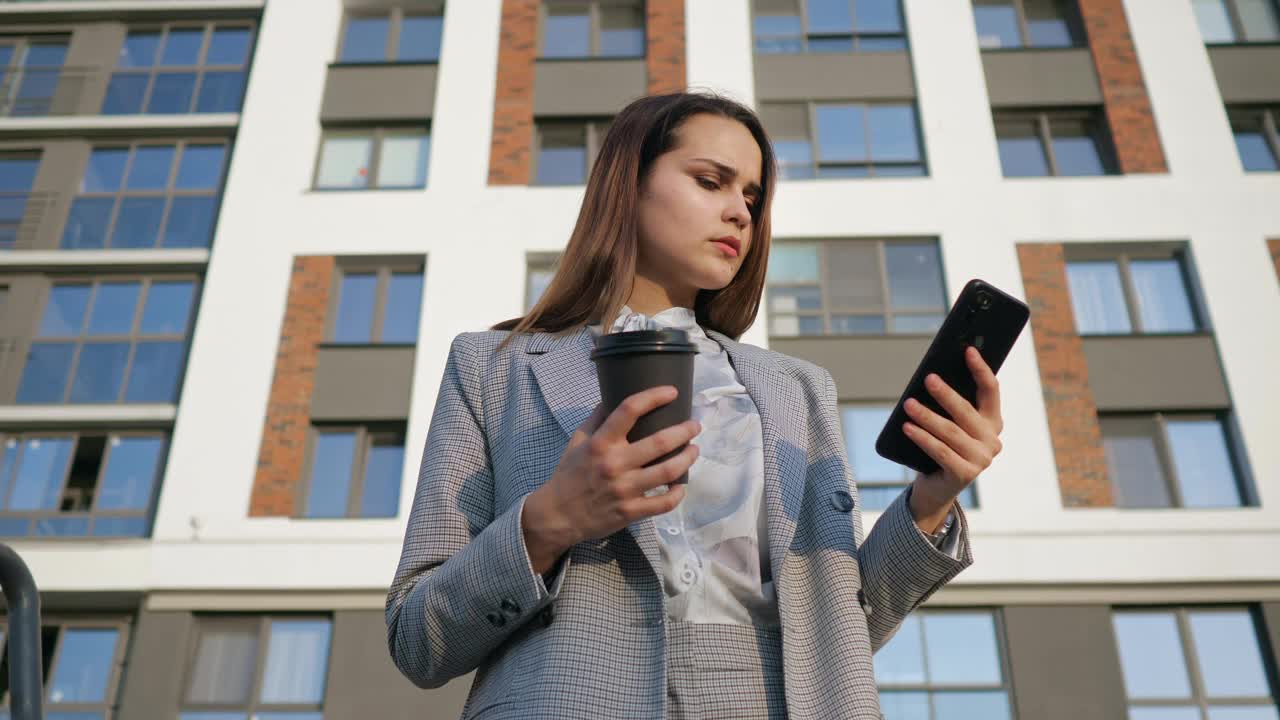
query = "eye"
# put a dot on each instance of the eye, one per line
(708, 183)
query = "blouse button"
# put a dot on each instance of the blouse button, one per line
(688, 576)
(842, 501)
(673, 531)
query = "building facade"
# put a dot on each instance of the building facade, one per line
(238, 236)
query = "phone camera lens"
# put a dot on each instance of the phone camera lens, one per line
(984, 300)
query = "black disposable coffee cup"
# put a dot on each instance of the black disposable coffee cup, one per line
(631, 362)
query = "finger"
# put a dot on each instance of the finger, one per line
(623, 417)
(960, 410)
(964, 444)
(643, 507)
(941, 453)
(588, 426)
(988, 388)
(642, 480)
(645, 450)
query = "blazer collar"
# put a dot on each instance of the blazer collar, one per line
(566, 378)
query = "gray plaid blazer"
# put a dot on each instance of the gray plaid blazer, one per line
(464, 596)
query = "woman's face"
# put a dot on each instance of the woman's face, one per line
(700, 191)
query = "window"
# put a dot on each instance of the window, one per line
(1193, 664)
(1132, 293)
(853, 140)
(1257, 139)
(566, 149)
(1170, 460)
(855, 287)
(180, 69)
(1238, 21)
(1067, 143)
(592, 28)
(148, 195)
(942, 665)
(827, 26)
(354, 472)
(397, 37)
(110, 340)
(78, 484)
(374, 159)
(31, 68)
(17, 175)
(880, 481)
(1027, 23)
(377, 304)
(251, 667)
(539, 270)
(80, 668)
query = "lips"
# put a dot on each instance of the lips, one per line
(732, 243)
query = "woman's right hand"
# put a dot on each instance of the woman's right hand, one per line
(600, 484)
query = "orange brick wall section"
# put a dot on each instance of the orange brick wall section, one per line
(1128, 108)
(513, 101)
(1064, 377)
(284, 434)
(664, 46)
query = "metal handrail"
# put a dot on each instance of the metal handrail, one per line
(26, 688)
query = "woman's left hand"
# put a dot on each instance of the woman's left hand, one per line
(965, 447)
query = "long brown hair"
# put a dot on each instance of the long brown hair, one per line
(594, 276)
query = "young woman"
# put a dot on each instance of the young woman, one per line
(543, 555)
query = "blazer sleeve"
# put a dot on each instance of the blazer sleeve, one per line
(900, 568)
(464, 582)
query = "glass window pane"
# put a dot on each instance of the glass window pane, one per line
(997, 23)
(404, 305)
(65, 312)
(1163, 303)
(139, 50)
(44, 379)
(151, 166)
(1202, 464)
(138, 222)
(105, 170)
(795, 158)
(1164, 712)
(190, 223)
(1215, 22)
(879, 16)
(404, 161)
(18, 174)
(380, 496)
(1255, 152)
(915, 275)
(344, 162)
(221, 92)
(777, 30)
(114, 307)
(228, 46)
(792, 299)
(621, 31)
(1076, 149)
(331, 464)
(297, 659)
(961, 648)
(1097, 298)
(793, 263)
(1259, 20)
(830, 16)
(157, 369)
(898, 705)
(87, 223)
(792, 325)
(566, 33)
(893, 133)
(901, 660)
(420, 38)
(857, 325)
(842, 135)
(125, 93)
(970, 705)
(1021, 152)
(1137, 477)
(182, 47)
(862, 425)
(355, 308)
(1246, 712)
(168, 308)
(1151, 655)
(240, 716)
(132, 465)
(923, 324)
(224, 665)
(42, 469)
(85, 661)
(99, 372)
(536, 284)
(171, 92)
(1226, 646)
(1047, 23)
(365, 40)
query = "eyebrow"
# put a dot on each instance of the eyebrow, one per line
(729, 172)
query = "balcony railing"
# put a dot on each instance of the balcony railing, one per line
(22, 215)
(33, 91)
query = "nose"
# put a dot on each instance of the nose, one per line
(738, 213)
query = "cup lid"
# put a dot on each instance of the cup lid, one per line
(666, 340)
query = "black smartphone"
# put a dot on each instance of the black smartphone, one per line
(983, 316)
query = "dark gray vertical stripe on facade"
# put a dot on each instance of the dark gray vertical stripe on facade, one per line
(1064, 663)
(1270, 613)
(151, 687)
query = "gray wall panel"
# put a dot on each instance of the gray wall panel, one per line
(152, 685)
(1019, 78)
(1247, 74)
(1064, 663)
(378, 92)
(838, 76)
(364, 683)
(1155, 373)
(864, 368)
(363, 383)
(90, 59)
(62, 164)
(1271, 618)
(586, 87)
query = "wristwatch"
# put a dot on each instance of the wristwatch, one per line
(937, 538)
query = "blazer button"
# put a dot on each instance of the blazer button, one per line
(496, 619)
(842, 501)
(546, 616)
(510, 607)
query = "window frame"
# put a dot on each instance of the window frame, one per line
(1270, 129)
(1002, 649)
(396, 16)
(855, 37)
(816, 164)
(594, 15)
(382, 268)
(261, 625)
(1073, 20)
(537, 262)
(596, 128)
(17, 72)
(1042, 118)
(1155, 425)
(207, 27)
(1122, 257)
(119, 660)
(1238, 26)
(376, 134)
(366, 436)
(36, 204)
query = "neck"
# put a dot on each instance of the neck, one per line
(650, 298)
